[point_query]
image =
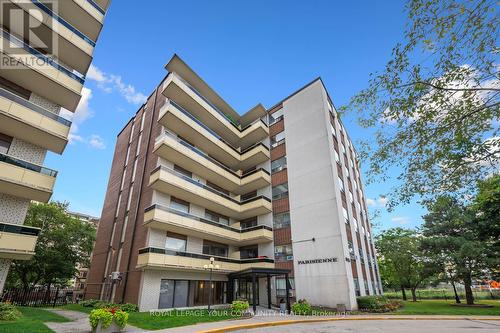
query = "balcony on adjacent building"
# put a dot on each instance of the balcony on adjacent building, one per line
(17, 241)
(182, 153)
(178, 90)
(25, 180)
(174, 183)
(179, 120)
(84, 15)
(37, 72)
(169, 219)
(29, 122)
(156, 258)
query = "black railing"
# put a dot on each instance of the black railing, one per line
(37, 296)
(27, 165)
(21, 44)
(208, 188)
(96, 6)
(33, 107)
(19, 229)
(63, 22)
(205, 220)
(203, 256)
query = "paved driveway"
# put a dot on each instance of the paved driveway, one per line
(387, 326)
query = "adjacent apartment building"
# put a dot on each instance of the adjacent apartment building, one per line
(46, 50)
(268, 195)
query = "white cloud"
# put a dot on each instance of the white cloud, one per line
(381, 201)
(371, 202)
(401, 220)
(111, 82)
(97, 142)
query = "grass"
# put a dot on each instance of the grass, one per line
(156, 321)
(32, 321)
(442, 307)
(442, 294)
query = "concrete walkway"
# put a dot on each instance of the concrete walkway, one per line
(278, 320)
(79, 323)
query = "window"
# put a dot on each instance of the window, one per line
(118, 204)
(277, 139)
(214, 248)
(355, 224)
(337, 157)
(283, 252)
(129, 201)
(248, 195)
(179, 205)
(138, 145)
(131, 133)
(248, 223)
(281, 286)
(333, 130)
(275, 116)
(142, 120)
(216, 217)
(280, 191)
(341, 184)
(183, 171)
(356, 286)
(248, 252)
(5, 142)
(343, 148)
(279, 164)
(217, 188)
(346, 215)
(351, 198)
(346, 171)
(176, 242)
(123, 179)
(124, 229)
(351, 247)
(134, 169)
(128, 155)
(281, 220)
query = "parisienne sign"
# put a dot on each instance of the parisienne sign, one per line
(317, 261)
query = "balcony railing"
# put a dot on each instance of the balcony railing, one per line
(44, 112)
(207, 221)
(96, 6)
(19, 229)
(27, 165)
(208, 188)
(63, 22)
(204, 256)
(21, 44)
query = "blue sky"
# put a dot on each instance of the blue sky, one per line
(250, 52)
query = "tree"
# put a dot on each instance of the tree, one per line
(401, 261)
(451, 231)
(63, 243)
(435, 106)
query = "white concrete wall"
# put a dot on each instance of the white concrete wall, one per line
(315, 202)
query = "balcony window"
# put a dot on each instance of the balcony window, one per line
(279, 164)
(248, 223)
(343, 148)
(351, 198)
(176, 242)
(183, 171)
(281, 220)
(215, 249)
(179, 205)
(346, 171)
(337, 157)
(355, 224)
(277, 139)
(333, 130)
(216, 217)
(346, 215)
(351, 247)
(280, 191)
(283, 252)
(5, 142)
(341, 184)
(248, 252)
(275, 116)
(249, 195)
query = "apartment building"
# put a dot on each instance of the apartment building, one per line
(46, 50)
(321, 228)
(190, 181)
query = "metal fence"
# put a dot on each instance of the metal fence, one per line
(38, 296)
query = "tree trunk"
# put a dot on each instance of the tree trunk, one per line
(457, 299)
(468, 290)
(414, 294)
(404, 293)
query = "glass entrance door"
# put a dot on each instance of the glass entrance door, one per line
(243, 290)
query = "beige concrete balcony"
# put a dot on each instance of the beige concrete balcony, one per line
(155, 258)
(178, 90)
(84, 15)
(168, 219)
(191, 158)
(29, 122)
(55, 35)
(38, 73)
(169, 181)
(25, 180)
(17, 241)
(177, 119)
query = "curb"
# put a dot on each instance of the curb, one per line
(316, 320)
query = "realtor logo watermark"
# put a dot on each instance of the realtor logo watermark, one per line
(28, 34)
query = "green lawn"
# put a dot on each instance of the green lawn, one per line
(154, 321)
(442, 307)
(31, 321)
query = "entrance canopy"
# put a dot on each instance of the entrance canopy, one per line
(253, 274)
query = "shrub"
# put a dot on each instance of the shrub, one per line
(9, 312)
(106, 316)
(239, 306)
(377, 304)
(128, 307)
(301, 307)
(98, 304)
(89, 303)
